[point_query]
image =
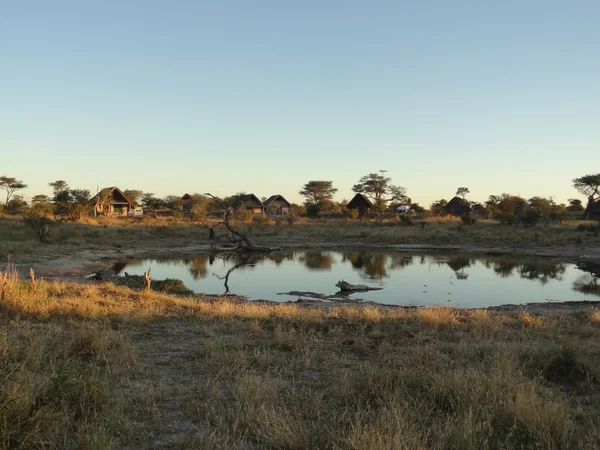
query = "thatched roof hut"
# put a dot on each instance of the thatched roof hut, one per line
(251, 202)
(458, 207)
(116, 202)
(277, 205)
(360, 202)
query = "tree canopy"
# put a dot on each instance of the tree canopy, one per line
(378, 188)
(588, 185)
(10, 185)
(318, 192)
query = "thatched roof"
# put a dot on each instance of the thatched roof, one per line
(250, 200)
(186, 196)
(276, 197)
(116, 195)
(359, 201)
(458, 206)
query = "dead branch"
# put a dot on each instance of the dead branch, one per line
(239, 241)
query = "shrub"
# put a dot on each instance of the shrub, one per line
(260, 219)
(40, 224)
(406, 220)
(506, 219)
(292, 219)
(467, 219)
(350, 213)
(313, 210)
(529, 218)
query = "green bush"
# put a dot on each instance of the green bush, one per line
(506, 219)
(313, 210)
(529, 218)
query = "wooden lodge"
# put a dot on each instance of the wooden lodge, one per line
(277, 205)
(360, 202)
(251, 202)
(111, 201)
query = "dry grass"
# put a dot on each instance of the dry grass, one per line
(100, 366)
(114, 233)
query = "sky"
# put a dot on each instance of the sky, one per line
(263, 96)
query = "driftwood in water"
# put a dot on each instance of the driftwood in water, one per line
(347, 287)
(337, 297)
(238, 241)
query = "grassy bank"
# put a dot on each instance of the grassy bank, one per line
(101, 366)
(21, 244)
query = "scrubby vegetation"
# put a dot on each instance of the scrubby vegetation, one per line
(101, 366)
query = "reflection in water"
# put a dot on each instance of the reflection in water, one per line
(369, 265)
(198, 267)
(587, 284)
(542, 272)
(316, 260)
(239, 260)
(379, 265)
(504, 269)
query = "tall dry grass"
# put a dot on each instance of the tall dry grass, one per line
(108, 367)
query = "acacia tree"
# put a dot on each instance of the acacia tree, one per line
(378, 188)
(70, 204)
(462, 191)
(133, 195)
(318, 192)
(10, 185)
(588, 185)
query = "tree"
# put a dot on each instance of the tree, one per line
(588, 185)
(197, 207)
(377, 187)
(16, 205)
(462, 191)
(133, 195)
(150, 202)
(70, 204)
(575, 205)
(41, 205)
(10, 185)
(437, 207)
(318, 192)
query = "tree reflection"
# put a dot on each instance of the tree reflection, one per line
(316, 260)
(505, 269)
(369, 265)
(458, 263)
(239, 260)
(587, 284)
(279, 257)
(198, 267)
(543, 272)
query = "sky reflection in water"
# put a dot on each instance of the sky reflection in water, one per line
(407, 279)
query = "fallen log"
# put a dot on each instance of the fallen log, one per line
(347, 287)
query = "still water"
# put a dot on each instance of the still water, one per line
(406, 278)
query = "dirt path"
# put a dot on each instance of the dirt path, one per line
(159, 401)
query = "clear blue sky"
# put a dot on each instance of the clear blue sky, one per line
(263, 96)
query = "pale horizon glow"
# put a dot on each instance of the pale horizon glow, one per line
(264, 96)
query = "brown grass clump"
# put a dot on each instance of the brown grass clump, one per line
(101, 366)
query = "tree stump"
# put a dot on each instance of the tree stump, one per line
(147, 281)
